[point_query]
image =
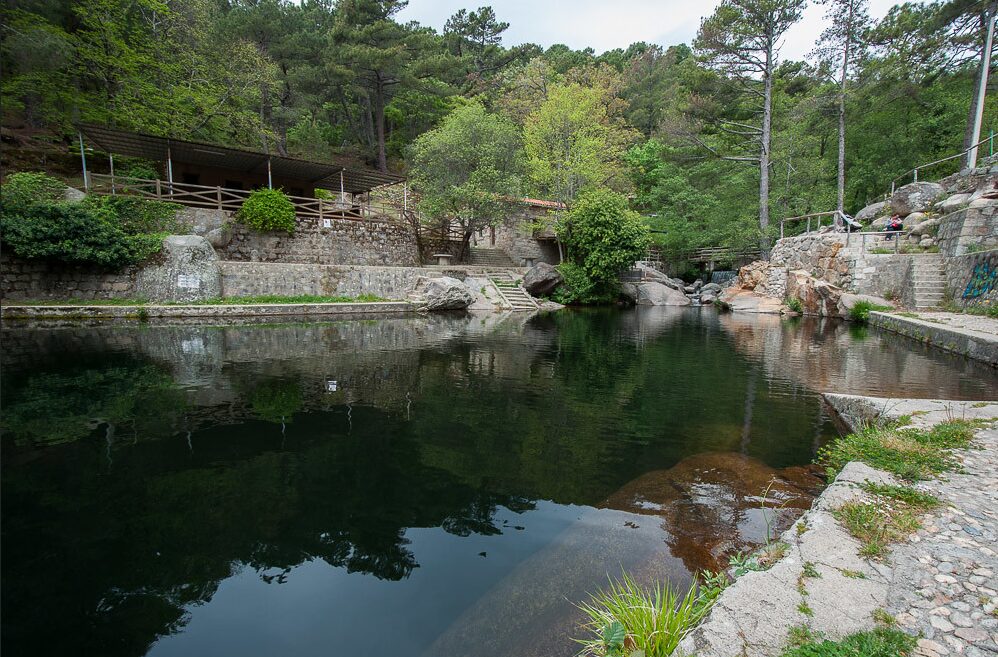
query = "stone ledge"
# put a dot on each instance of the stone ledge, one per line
(221, 310)
(972, 344)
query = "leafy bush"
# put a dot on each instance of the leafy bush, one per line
(136, 215)
(28, 188)
(795, 304)
(138, 169)
(74, 233)
(268, 209)
(578, 288)
(603, 237)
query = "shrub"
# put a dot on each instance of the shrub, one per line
(74, 233)
(28, 188)
(136, 215)
(795, 304)
(861, 311)
(603, 237)
(138, 169)
(268, 209)
(578, 287)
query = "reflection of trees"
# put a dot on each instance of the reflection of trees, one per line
(48, 408)
(276, 401)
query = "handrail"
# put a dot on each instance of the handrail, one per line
(819, 215)
(873, 233)
(225, 198)
(914, 171)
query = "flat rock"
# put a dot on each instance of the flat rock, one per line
(750, 302)
(653, 293)
(443, 293)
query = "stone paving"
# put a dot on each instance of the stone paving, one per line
(976, 323)
(945, 583)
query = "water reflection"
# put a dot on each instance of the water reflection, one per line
(205, 490)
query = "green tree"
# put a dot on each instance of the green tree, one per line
(741, 39)
(468, 169)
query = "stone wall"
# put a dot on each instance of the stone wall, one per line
(974, 227)
(41, 279)
(973, 278)
(883, 275)
(815, 253)
(521, 246)
(342, 242)
(240, 279)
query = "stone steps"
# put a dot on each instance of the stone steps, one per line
(489, 258)
(512, 292)
(929, 281)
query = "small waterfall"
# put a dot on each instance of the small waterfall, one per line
(722, 277)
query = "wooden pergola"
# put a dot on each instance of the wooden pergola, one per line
(209, 175)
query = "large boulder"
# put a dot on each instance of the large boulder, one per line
(879, 223)
(629, 292)
(953, 203)
(817, 297)
(652, 274)
(186, 270)
(754, 275)
(916, 197)
(925, 227)
(873, 211)
(542, 279)
(73, 195)
(653, 293)
(443, 293)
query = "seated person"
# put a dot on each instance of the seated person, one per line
(894, 226)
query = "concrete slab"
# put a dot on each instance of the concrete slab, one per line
(973, 339)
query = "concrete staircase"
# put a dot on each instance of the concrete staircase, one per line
(489, 258)
(512, 292)
(928, 274)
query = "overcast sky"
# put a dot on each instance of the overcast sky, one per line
(608, 24)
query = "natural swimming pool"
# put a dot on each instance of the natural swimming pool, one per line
(434, 485)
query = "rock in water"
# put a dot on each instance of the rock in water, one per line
(444, 293)
(916, 197)
(542, 279)
(186, 271)
(659, 294)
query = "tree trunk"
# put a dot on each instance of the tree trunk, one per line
(767, 120)
(968, 133)
(842, 117)
(379, 126)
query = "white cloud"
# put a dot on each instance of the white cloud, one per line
(606, 25)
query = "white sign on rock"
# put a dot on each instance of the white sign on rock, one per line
(188, 282)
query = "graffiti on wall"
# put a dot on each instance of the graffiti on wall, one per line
(983, 279)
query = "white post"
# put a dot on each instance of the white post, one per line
(83, 157)
(110, 157)
(405, 196)
(979, 114)
(270, 181)
(342, 192)
(169, 169)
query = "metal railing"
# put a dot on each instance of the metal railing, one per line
(809, 217)
(898, 236)
(224, 198)
(914, 172)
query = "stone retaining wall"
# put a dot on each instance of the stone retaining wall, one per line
(42, 279)
(240, 279)
(972, 278)
(976, 226)
(342, 242)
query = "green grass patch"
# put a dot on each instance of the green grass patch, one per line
(230, 301)
(852, 574)
(625, 617)
(881, 642)
(908, 453)
(905, 494)
(795, 304)
(877, 525)
(861, 311)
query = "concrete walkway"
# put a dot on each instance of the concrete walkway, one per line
(18, 312)
(969, 335)
(941, 584)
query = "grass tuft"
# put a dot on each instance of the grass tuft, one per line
(861, 311)
(654, 619)
(881, 642)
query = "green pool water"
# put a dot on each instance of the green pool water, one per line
(419, 486)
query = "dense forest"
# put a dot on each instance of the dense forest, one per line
(707, 139)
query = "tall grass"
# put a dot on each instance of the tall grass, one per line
(654, 619)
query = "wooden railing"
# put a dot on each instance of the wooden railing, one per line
(815, 217)
(224, 198)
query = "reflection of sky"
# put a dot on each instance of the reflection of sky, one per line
(322, 610)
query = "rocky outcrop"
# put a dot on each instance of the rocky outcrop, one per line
(848, 301)
(443, 293)
(187, 270)
(925, 227)
(739, 300)
(542, 279)
(709, 293)
(916, 197)
(817, 297)
(953, 203)
(652, 274)
(653, 293)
